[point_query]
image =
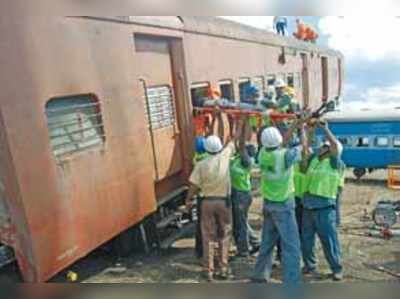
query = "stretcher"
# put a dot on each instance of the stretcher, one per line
(203, 116)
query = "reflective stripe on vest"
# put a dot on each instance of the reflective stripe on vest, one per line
(323, 180)
(276, 182)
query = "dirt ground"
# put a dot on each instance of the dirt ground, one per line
(363, 255)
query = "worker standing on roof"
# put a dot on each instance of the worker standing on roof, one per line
(241, 165)
(280, 24)
(319, 214)
(211, 176)
(301, 33)
(277, 188)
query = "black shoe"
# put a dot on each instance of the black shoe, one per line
(255, 249)
(243, 255)
(258, 280)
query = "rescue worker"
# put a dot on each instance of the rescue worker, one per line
(199, 155)
(240, 170)
(280, 23)
(211, 176)
(319, 213)
(277, 188)
(301, 33)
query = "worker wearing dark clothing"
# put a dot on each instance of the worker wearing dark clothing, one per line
(240, 170)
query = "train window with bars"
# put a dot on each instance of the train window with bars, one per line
(243, 84)
(271, 80)
(290, 80)
(259, 83)
(362, 142)
(226, 88)
(199, 92)
(75, 124)
(345, 141)
(161, 111)
(396, 141)
(382, 141)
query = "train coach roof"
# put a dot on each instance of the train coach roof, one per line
(364, 116)
(231, 29)
(220, 27)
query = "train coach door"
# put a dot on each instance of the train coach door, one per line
(155, 67)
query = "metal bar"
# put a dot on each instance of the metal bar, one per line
(146, 97)
(76, 131)
(72, 107)
(74, 121)
(56, 146)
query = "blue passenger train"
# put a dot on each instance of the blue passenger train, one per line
(371, 139)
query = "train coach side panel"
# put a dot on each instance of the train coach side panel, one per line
(73, 204)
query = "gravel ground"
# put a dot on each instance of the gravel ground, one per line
(362, 254)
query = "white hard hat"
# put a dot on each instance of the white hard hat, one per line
(280, 83)
(213, 144)
(271, 137)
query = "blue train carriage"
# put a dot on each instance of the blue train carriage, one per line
(371, 139)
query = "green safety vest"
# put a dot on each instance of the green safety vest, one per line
(300, 182)
(277, 182)
(323, 180)
(240, 175)
(199, 157)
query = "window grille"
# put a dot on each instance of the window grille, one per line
(161, 112)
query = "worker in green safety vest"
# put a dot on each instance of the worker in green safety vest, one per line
(241, 165)
(276, 162)
(324, 170)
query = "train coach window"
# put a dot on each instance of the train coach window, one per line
(259, 83)
(226, 88)
(199, 92)
(362, 142)
(396, 141)
(290, 80)
(271, 80)
(74, 123)
(160, 107)
(382, 141)
(243, 84)
(345, 141)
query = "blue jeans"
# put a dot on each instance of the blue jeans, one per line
(279, 223)
(280, 28)
(321, 222)
(243, 234)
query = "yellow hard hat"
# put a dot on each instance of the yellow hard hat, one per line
(290, 91)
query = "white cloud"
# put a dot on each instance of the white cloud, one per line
(369, 37)
(372, 98)
(262, 22)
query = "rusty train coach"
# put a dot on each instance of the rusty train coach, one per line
(96, 120)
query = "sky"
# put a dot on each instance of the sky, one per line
(372, 54)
